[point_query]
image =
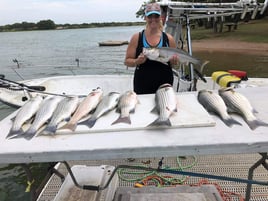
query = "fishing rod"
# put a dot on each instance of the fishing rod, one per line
(20, 85)
(6, 83)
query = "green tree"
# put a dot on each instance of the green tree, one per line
(27, 26)
(45, 25)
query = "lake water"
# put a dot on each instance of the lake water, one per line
(50, 53)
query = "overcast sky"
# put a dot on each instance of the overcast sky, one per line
(69, 11)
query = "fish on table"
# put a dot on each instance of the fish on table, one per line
(107, 103)
(126, 105)
(44, 113)
(87, 105)
(25, 113)
(213, 103)
(63, 112)
(163, 55)
(238, 103)
(166, 105)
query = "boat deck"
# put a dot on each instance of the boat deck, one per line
(235, 165)
(98, 147)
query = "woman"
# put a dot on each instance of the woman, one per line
(149, 75)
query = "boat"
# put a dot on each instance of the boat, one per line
(113, 43)
(196, 132)
(17, 93)
(202, 134)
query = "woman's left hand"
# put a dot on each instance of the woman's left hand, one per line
(174, 60)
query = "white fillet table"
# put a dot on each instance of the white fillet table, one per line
(140, 143)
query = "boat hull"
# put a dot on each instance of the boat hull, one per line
(79, 85)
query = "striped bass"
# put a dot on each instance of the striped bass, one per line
(87, 105)
(236, 102)
(43, 114)
(126, 105)
(166, 104)
(212, 102)
(64, 110)
(25, 113)
(108, 103)
(163, 55)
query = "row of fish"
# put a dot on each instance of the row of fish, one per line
(54, 110)
(226, 101)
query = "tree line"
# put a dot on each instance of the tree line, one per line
(50, 25)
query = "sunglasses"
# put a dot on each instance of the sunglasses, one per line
(153, 16)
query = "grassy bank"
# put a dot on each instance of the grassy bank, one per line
(252, 31)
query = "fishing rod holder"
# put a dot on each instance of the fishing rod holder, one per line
(17, 62)
(77, 62)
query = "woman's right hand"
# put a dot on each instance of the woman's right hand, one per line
(141, 59)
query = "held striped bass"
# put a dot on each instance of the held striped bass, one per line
(164, 54)
(126, 105)
(43, 114)
(26, 112)
(236, 102)
(87, 105)
(108, 103)
(166, 105)
(64, 110)
(213, 103)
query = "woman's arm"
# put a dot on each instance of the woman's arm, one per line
(130, 59)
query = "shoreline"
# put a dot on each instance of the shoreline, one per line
(223, 45)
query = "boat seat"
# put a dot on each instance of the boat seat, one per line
(225, 79)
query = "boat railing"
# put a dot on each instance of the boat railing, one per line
(180, 15)
(21, 69)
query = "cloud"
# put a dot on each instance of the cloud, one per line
(68, 11)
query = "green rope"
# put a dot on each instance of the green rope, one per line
(138, 176)
(29, 185)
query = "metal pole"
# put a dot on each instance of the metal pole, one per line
(189, 45)
(262, 161)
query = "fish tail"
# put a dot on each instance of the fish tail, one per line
(203, 65)
(29, 134)
(89, 122)
(159, 122)
(14, 133)
(122, 120)
(256, 123)
(50, 129)
(70, 126)
(230, 122)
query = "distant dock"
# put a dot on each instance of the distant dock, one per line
(113, 43)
